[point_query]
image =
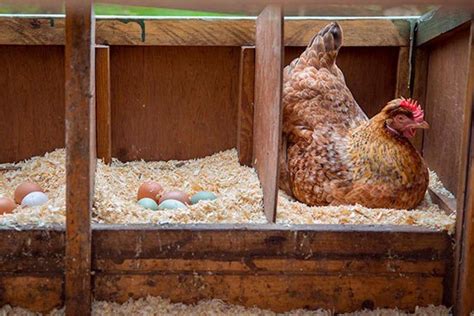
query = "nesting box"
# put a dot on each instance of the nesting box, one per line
(184, 88)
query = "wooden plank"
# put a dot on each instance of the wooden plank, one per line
(211, 31)
(38, 293)
(103, 106)
(439, 22)
(448, 205)
(232, 242)
(301, 266)
(246, 105)
(81, 154)
(33, 249)
(31, 99)
(173, 102)
(446, 112)
(279, 293)
(465, 224)
(418, 86)
(267, 112)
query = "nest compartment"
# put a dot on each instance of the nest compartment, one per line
(237, 187)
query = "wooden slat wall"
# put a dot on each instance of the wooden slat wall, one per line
(173, 102)
(31, 101)
(447, 71)
(344, 268)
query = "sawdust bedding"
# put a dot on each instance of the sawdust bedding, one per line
(157, 306)
(237, 187)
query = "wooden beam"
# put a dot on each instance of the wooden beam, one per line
(436, 23)
(103, 106)
(448, 205)
(269, 57)
(465, 227)
(348, 265)
(213, 31)
(246, 105)
(80, 153)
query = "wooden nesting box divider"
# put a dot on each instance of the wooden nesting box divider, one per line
(174, 88)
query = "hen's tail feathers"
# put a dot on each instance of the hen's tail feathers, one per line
(323, 48)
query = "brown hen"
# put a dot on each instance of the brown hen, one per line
(331, 153)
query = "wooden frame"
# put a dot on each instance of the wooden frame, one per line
(416, 260)
(80, 154)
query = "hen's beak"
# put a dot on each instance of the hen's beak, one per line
(422, 125)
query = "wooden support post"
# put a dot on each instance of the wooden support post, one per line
(268, 93)
(246, 105)
(81, 153)
(102, 86)
(465, 220)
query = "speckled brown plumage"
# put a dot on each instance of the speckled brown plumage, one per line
(331, 153)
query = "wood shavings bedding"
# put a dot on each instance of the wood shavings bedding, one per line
(237, 187)
(158, 306)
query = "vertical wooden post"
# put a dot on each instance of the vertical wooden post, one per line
(267, 112)
(465, 220)
(102, 83)
(81, 153)
(246, 105)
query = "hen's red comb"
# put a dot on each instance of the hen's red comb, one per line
(414, 107)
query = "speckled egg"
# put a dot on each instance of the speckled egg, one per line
(150, 190)
(203, 196)
(7, 205)
(175, 195)
(34, 199)
(171, 205)
(148, 204)
(24, 189)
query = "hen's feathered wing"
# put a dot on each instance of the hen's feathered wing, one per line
(318, 113)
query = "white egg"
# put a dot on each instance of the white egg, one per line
(34, 199)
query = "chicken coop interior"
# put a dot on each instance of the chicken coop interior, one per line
(92, 106)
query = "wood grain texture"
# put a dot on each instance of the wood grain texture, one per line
(446, 112)
(246, 105)
(38, 293)
(277, 292)
(80, 153)
(448, 205)
(370, 73)
(439, 22)
(31, 101)
(332, 266)
(214, 31)
(465, 221)
(267, 112)
(173, 103)
(103, 106)
(249, 7)
(303, 266)
(418, 84)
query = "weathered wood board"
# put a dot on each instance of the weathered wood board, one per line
(270, 266)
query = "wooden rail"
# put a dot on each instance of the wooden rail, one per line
(269, 58)
(222, 31)
(80, 154)
(302, 265)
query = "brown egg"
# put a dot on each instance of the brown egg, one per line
(7, 205)
(24, 189)
(150, 190)
(176, 195)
